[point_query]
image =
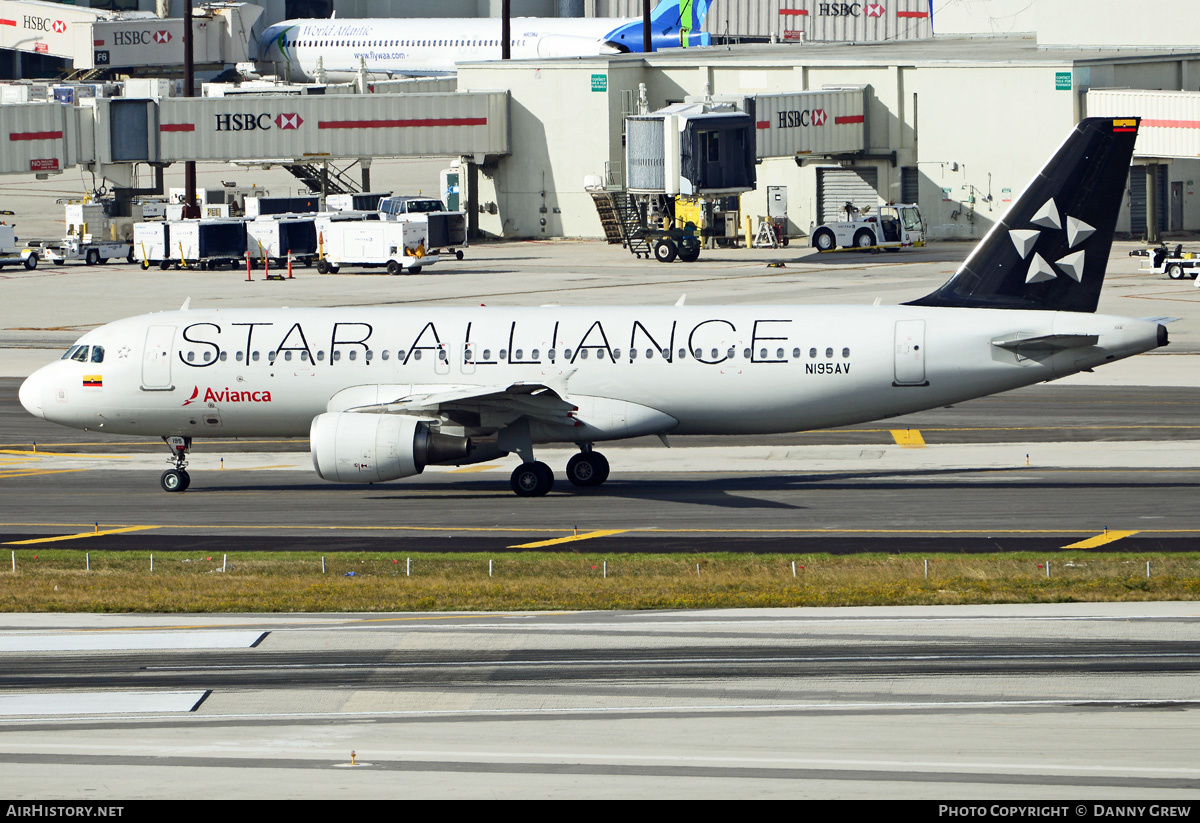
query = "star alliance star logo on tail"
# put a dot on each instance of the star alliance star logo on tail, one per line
(1047, 217)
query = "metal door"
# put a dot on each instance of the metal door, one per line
(837, 187)
(910, 353)
(156, 358)
(1177, 205)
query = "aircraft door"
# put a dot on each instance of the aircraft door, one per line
(910, 353)
(156, 358)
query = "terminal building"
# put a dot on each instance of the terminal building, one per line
(957, 107)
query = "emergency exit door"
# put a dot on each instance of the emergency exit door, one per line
(156, 358)
(910, 353)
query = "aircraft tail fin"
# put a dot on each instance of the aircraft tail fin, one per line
(673, 24)
(1050, 250)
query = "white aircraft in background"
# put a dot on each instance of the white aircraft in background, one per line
(434, 46)
(384, 392)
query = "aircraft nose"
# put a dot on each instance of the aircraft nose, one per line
(30, 395)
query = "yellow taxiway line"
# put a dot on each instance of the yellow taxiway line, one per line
(908, 438)
(1100, 540)
(77, 536)
(570, 539)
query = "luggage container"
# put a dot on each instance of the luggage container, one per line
(297, 204)
(276, 237)
(362, 201)
(150, 243)
(207, 244)
(399, 246)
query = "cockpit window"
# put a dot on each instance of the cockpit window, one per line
(97, 354)
(80, 354)
(69, 353)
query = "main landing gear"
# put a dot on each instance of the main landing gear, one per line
(534, 478)
(177, 479)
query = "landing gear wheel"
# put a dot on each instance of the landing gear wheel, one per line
(864, 239)
(587, 469)
(824, 240)
(532, 479)
(1175, 271)
(689, 253)
(175, 480)
(665, 251)
(92, 257)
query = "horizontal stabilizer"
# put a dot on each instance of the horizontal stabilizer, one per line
(1048, 341)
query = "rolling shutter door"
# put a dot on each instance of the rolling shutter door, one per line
(837, 187)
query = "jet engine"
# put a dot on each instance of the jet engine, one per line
(350, 447)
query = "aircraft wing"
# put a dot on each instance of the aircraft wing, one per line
(495, 405)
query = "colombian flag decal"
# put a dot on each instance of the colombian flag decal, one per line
(93, 380)
(1124, 125)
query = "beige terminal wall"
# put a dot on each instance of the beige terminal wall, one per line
(975, 130)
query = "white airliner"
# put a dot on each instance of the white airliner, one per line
(434, 46)
(384, 392)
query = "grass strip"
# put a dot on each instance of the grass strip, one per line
(189, 582)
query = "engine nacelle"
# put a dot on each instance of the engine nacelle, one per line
(349, 447)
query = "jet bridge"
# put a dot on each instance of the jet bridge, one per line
(280, 130)
(95, 39)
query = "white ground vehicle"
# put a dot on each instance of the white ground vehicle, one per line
(889, 227)
(93, 236)
(447, 229)
(11, 254)
(206, 243)
(1173, 261)
(398, 246)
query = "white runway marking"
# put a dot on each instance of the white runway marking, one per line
(128, 641)
(99, 703)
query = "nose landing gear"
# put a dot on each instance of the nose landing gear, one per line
(177, 479)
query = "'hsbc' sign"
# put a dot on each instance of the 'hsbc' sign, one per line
(257, 122)
(799, 118)
(140, 38)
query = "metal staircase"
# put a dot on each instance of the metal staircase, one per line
(621, 219)
(336, 180)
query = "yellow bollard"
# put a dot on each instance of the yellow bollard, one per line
(749, 231)
(352, 755)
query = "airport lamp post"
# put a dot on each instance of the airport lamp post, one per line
(190, 209)
(647, 36)
(505, 29)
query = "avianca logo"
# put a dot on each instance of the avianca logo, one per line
(228, 395)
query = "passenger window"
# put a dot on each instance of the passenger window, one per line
(520, 355)
(354, 354)
(441, 354)
(238, 357)
(683, 354)
(287, 355)
(321, 355)
(504, 354)
(812, 352)
(384, 354)
(845, 352)
(746, 353)
(487, 354)
(795, 354)
(97, 354)
(534, 354)
(254, 356)
(829, 352)
(191, 356)
(417, 354)
(583, 353)
(222, 357)
(567, 353)
(337, 355)
(207, 356)
(779, 354)
(633, 354)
